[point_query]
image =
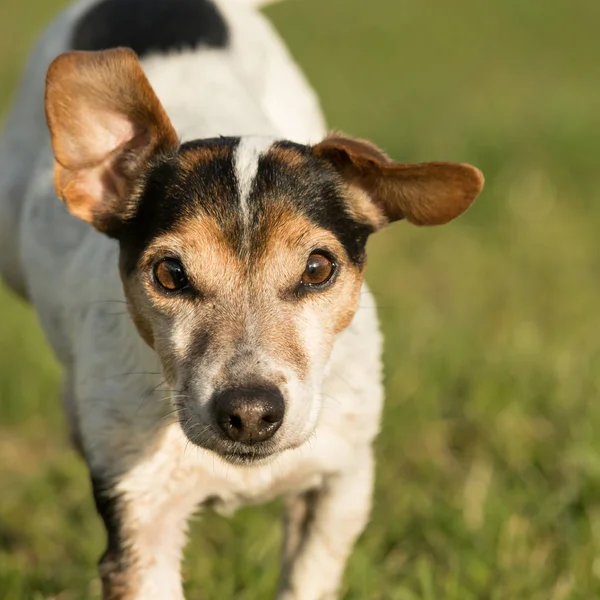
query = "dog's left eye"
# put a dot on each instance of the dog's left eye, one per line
(170, 275)
(319, 270)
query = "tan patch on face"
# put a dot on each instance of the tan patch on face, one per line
(209, 265)
(287, 156)
(209, 261)
(346, 310)
(193, 157)
(361, 207)
(249, 306)
(292, 241)
(242, 296)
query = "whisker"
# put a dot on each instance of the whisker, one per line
(133, 373)
(94, 302)
(351, 387)
(328, 396)
(147, 395)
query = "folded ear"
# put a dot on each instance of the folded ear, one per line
(424, 194)
(106, 124)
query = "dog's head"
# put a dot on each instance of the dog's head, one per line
(241, 259)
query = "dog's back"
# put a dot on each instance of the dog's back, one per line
(218, 68)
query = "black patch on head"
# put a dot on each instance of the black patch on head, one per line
(177, 189)
(314, 188)
(148, 26)
(173, 193)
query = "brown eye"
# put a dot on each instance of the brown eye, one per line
(319, 270)
(170, 275)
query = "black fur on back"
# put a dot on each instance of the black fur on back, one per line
(148, 26)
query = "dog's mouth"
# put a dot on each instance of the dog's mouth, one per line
(246, 457)
(237, 454)
(208, 437)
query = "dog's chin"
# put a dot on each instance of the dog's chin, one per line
(231, 452)
(238, 454)
(247, 459)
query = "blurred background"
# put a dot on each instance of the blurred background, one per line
(488, 480)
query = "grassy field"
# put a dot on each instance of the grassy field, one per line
(489, 459)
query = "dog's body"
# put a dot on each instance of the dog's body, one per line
(147, 477)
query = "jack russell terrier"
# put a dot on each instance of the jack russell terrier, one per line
(199, 189)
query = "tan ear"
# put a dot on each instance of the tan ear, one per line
(106, 124)
(424, 194)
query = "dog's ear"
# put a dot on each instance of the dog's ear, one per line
(424, 194)
(106, 124)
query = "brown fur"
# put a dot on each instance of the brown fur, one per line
(289, 157)
(193, 157)
(236, 290)
(424, 194)
(118, 580)
(362, 208)
(105, 123)
(233, 291)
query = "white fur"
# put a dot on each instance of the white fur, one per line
(246, 160)
(70, 274)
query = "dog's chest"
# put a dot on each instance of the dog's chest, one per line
(263, 489)
(189, 477)
(291, 473)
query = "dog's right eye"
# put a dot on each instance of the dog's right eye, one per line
(170, 275)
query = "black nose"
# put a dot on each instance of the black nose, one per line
(251, 415)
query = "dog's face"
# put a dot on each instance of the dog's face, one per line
(239, 269)
(241, 259)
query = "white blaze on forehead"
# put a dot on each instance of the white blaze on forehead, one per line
(246, 160)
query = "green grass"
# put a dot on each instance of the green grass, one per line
(489, 460)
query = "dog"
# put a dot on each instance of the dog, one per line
(200, 280)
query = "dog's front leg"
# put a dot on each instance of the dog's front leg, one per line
(145, 544)
(321, 528)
